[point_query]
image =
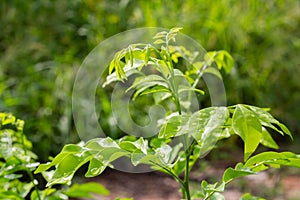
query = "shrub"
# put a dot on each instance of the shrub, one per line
(185, 135)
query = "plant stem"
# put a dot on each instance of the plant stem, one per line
(188, 153)
(35, 187)
(186, 177)
(174, 87)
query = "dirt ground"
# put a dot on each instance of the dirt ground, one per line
(156, 186)
(146, 186)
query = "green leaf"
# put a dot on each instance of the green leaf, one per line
(186, 88)
(159, 41)
(157, 142)
(67, 167)
(217, 196)
(181, 51)
(237, 172)
(161, 34)
(128, 70)
(247, 126)
(147, 51)
(212, 190)
(145, 82)
(163, 156)
(167, 154)
(162, 67)
(214, 187)
(117, 65)
(67, 150)
(85, 190)
(221, 58)
(266, 119)
(95, 168)
(206, 126)
(132, 146)
(172, 33)
(179, 165)
(100, 152)
(161, 96)
(225, 61)
(174, 126)
(263, 160)
(155, 89)
(130, 55)
(267, 139)
(8, 195)
(140, 158)
(100, 143)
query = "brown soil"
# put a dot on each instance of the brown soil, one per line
(157, 186)
(146, 186)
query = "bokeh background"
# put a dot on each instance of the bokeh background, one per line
(43, 43)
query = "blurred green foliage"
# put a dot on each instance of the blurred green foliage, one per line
(17, 162)
(43, 42)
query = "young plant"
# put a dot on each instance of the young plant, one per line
(185, 135)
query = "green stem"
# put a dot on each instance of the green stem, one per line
(188, 153)
(174, 87)
(35, 187)
(186, 178)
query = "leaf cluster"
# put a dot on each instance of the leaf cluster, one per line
(185, 135)
(17, 163)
